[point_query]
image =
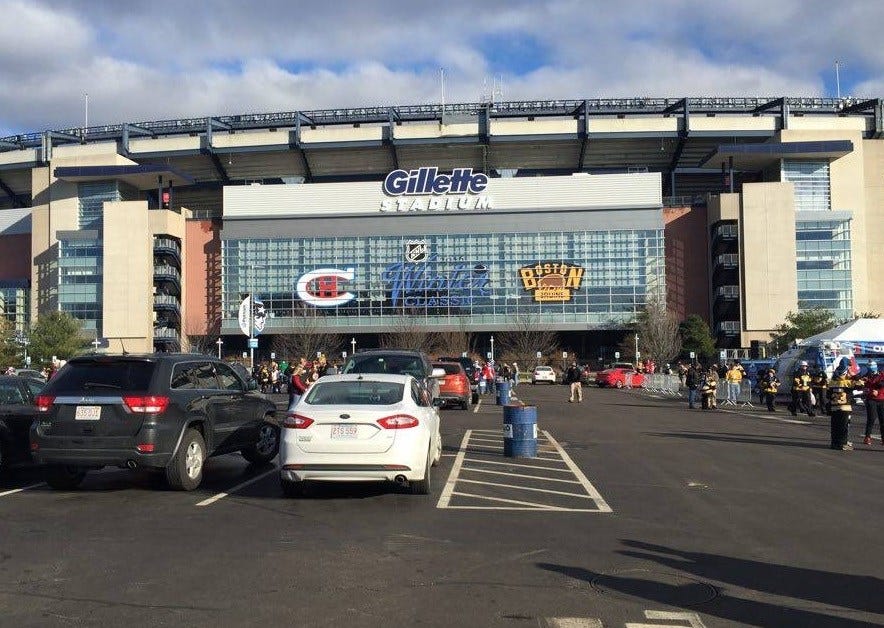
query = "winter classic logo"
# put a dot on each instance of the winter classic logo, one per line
(323, 287)
(551, 281)
(424, 189)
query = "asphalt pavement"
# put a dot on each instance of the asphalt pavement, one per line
(637, 512)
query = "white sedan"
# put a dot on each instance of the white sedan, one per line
(361, 427)
(543, 374)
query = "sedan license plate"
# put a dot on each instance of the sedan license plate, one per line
(344, 431)
(88, 413)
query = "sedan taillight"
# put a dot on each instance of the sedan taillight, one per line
(398, 422)
(44, 402)
(297, 422)
(149, 404)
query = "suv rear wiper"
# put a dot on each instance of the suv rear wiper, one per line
(91, 385)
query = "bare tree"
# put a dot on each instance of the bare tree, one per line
(198, 343)
(526, 337)
(409, 332)
(309, 336)
(454, 342)
(657, 329)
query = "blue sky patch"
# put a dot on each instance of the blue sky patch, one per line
(513, 53)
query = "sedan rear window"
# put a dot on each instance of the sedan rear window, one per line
(363, 393)
(107, 375)
(450, 368)
(394, 365)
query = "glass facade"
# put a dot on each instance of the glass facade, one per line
(569, 279)
(811, 182)
(92, 197)
(14, 305)
(80, 280)
(824, 273)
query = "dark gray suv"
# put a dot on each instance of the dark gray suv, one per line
(162, 412)
(398, 362)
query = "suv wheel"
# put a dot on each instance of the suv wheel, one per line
(63, 478)
(185, 470)
(267, 446)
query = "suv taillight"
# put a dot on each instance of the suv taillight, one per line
(398, 422)
(297, 422)
(44, 402)
(146, 404)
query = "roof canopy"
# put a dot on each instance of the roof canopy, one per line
(868, 333)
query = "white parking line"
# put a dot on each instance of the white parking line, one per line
(512, 464)
(478, 405)
(445, 497)
(521, 475)
(540, 477)
(23, 488)
(220, 496)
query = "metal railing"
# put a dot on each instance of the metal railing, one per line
(728, 260)
(166, 299)
(766, 106)
(728, 292)
(166, 270)
(726, 232)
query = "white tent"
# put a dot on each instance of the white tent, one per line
(866, 335)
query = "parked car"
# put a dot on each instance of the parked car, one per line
(400, 362)
(32, 373)
(455, 387)
(470, 369)
(17, 412)
(361, 427)
(543, 374)
(616, 377)
(164, 412)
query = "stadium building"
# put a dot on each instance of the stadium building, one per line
(477, 217)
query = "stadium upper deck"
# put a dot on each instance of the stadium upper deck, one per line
(668, 135)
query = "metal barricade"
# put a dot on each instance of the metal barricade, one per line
(747, 386)
(627, 380)
(671, 385)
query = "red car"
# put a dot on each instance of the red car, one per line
(616, 378)
(455, 386)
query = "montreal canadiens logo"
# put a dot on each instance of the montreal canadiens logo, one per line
(322, 287)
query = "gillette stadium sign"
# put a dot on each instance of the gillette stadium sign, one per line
(425, 190)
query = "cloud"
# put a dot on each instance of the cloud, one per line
(173, 58)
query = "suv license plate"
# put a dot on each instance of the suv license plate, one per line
(88, 413)
(344, 431)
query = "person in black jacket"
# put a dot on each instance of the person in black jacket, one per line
(572, 377)
(692, 381)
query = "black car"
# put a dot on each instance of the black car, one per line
(398, 362)
(164, 412)
(17, 412)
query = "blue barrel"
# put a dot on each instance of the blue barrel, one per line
(519, 431)
(503, 392)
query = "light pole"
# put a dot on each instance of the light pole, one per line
(637, 354)
(219, 342)
(353, 346)
(492, 348)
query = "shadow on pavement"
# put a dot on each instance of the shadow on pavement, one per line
(742, 438)
(851, 593)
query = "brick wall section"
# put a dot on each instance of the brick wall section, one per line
(687, 267)
(15, 256)
(202, 310)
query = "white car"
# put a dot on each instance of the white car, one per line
(361, 427)
(543, 374)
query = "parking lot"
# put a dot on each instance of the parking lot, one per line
(636, 513)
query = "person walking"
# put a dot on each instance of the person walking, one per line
(515, 374)
(692, 381)
(819, 384)
(873, 389)
(709, 388)
(297, 386)
(572, 378)
(770, 384)
(733, 376)
(840, 393)
(801, 392)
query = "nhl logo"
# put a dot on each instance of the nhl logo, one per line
(416, 251)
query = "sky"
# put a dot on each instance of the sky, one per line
(162, 59)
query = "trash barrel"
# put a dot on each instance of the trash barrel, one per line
(503, 392)
(519, 431)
